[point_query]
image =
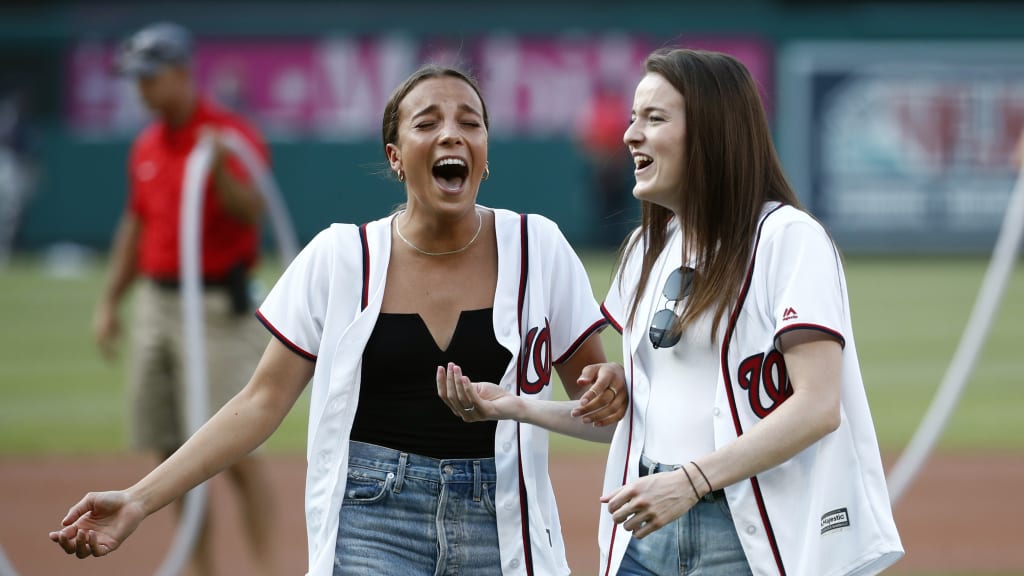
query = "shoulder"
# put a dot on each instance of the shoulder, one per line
(224, 117)
(786, 223)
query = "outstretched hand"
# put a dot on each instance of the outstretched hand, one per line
(606, 399)
(98, 524)
(473, 401)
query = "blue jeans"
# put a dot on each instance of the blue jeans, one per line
(702, 542)
(409, 514)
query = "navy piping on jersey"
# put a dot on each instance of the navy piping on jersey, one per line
(579, 341)
(625, 470)
(524, 511)
(611, 319)
(815, 327)
(730, 329)
(284, 340)
(366, 266)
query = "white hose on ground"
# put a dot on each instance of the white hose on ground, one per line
(1004, 256)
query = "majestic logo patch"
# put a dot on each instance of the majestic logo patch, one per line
(834, 520)
(535, 360)
(789, 314)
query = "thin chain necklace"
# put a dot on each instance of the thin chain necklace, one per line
(479, 226)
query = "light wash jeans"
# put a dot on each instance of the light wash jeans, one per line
(702, 542)
(406, 514)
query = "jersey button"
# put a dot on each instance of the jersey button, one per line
(751, 529)
(514, 563)
(510, 505)
(507, 446)
(716, 412)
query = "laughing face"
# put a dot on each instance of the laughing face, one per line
(441, 146)
(656, 137)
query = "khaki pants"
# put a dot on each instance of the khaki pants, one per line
(157, 393)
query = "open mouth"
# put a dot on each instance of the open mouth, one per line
(642, 161)
(450, 173)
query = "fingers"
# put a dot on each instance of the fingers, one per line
(457, 392)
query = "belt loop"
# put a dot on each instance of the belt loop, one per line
(476, 481)
(403, 460)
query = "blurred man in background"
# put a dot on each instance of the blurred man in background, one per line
(146, 246)
(608, 165)
(17, 168)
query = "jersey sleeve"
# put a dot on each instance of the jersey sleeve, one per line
(295, 310)
(573, 312)
(616, 301)
(806, 290)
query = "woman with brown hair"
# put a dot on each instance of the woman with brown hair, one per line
(749, 446)
(396, 484)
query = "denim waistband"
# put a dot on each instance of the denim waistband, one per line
(648, 467)
(405, 465)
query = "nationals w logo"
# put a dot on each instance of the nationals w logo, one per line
(535, 360)
(764, 378)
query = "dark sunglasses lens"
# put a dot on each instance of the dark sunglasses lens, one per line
(678, 284)
(661, 329)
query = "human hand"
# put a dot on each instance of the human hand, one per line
(651, 502)
(106, 329)
(606, 399)
(473, 401)
(98, 524)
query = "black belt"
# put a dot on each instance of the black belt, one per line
(646, 469)
(175, 283)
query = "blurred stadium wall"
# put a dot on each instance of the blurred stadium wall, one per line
(895, 120)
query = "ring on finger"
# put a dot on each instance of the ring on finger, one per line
(470, 409)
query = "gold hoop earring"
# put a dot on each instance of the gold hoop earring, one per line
(487, 172)
(401, 175)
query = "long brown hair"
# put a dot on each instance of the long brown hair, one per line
(731, 169)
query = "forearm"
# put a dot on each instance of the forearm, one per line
(796, 424)
(555, 415)
(242, 200)
(123, 261)
(244, 423)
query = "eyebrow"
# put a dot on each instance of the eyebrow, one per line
(434, 107)
(650, 109)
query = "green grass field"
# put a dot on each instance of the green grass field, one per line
(59, 397)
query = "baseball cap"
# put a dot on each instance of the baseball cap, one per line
(152, 48)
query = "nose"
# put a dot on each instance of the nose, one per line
(632, 134)
(451, 132)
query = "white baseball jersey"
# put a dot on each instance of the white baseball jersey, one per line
(324, 308)
(824, 512)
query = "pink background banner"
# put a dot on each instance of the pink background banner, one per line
(334, 88)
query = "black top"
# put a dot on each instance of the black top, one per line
(398, 403)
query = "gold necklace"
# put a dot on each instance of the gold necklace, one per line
(479, 226)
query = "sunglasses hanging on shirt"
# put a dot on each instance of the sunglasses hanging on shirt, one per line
(677, 287)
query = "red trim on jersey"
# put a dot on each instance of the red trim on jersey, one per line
(579, 341)
(815, 327)
(288, 343)
(611, 319)
(755, 485)
(524, 501)
(366, 266)
(625, 471)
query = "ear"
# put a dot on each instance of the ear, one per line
(394, 157)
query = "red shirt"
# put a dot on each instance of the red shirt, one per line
(156, 173)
